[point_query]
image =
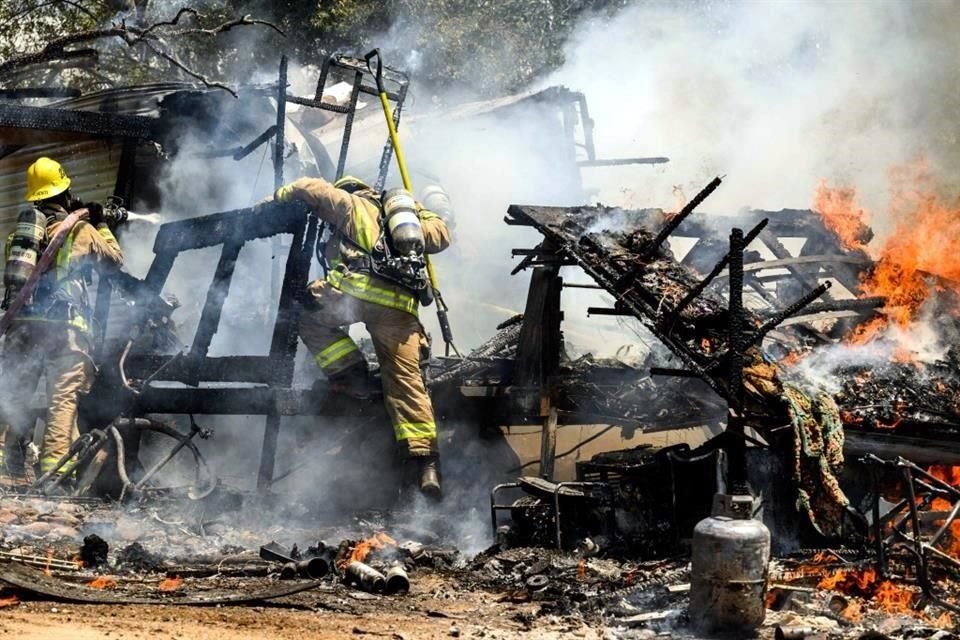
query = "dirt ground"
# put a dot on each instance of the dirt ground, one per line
(431, 610)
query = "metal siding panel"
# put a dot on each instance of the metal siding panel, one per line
(92, 167)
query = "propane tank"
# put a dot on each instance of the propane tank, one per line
(24, 249)
(729, 573)
(403, 223)
(435, 198)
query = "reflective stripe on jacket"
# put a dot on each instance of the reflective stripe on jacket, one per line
(357, 219)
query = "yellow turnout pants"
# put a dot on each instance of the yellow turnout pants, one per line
(398, 338)
(58, 352)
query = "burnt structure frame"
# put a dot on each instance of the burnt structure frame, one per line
(901, 526)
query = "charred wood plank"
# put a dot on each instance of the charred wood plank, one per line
(240, 225)
(675, 221)
(91, 124)
(786, 313)
(720, 266)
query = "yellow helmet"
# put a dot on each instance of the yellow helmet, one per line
(350, 184)
(45, 179)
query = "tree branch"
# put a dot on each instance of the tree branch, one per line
(148, 36)
(169, 57)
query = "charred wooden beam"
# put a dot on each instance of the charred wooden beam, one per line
(720, 266)
(88, 123)
(675, 221)
(786, 313)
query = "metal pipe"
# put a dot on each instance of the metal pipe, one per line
(793, 633)
(397, 580)
(366, 577)
(313, 568)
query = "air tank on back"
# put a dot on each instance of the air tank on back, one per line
(403, 223)
(23, 249)
(729, 573)
(435, 198)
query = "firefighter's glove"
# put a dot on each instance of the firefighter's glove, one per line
(96, 213)
(284, 193)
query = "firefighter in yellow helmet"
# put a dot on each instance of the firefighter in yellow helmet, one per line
(361, 286)
(52, 333)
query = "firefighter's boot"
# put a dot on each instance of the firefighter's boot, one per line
(353, 382)
(429, 480)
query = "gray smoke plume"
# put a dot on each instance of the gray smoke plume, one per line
(774, 95)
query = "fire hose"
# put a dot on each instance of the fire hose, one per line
(442, 308)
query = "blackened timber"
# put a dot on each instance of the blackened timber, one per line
(216, 294)
(863, 305)
(253, 400)
(568, 229)
(283, 345)
(778, 250)
(348, 125)
(673, 373)
(736, 451)
(605, 311)
(248, 369)
(243, 152)
(239, 225)
(675, 221)
(616, 162)
(793, 309)
(720, 266)
(279, 143)
(89, 123)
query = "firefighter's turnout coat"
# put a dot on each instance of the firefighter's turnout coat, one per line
(351, 294)
(52, 336)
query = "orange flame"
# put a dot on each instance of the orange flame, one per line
(582, 570)
(170, 584)
(924, 242)
(360, 551)
(103, 582)
(9, 601)
(838, 208)
(867, 584)
(853, 612)
(46, 569)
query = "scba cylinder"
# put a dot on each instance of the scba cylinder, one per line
(24, 248)
(436, 199)
(403, 223)
(729, 574)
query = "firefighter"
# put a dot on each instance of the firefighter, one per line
(52, 334)
(386, 303)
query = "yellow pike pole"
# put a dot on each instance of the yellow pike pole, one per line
(377, 72)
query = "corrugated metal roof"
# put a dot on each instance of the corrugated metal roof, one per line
(141, 100)
(92, 167)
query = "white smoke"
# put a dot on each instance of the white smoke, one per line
(774, 95)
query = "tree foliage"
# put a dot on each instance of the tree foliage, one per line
(486, 46)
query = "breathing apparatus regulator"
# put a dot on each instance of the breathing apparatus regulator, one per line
(403, 260)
